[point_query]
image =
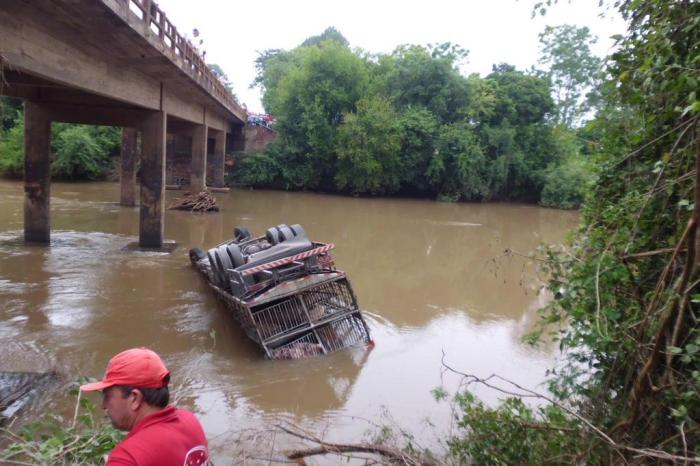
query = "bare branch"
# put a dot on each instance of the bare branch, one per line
(640, 452)
(323, 448)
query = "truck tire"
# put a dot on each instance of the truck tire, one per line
(240, 233)
(235, 254)
(298, 230)
(272, 236)
(285, 232)
(196, 255)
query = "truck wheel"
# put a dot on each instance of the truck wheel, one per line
(272, 236)
(285, 232)
(211, 254)
(298, 230)
(196, 255)
(234, 253)
(240, 233)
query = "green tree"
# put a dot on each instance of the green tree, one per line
(574, 70)
(270, 66)
(368, 145)
(457, 168)
(458, 137)
(566, 183)
(330, 33)
(419, 135)
(77, 155)
(222, 76)
(260, 169)
(311, 90)
(78, 151)
(416, 76)
(10, 109)
(12, 149)
(514, 134)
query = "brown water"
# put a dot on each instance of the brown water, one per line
(431, 276)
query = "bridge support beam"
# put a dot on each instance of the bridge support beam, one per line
(37, 174)
(152, 179)
(198, 170)
(218, 159)
(127, 176)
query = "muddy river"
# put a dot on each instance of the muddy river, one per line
(432, 278)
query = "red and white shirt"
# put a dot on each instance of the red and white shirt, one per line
(170, 437)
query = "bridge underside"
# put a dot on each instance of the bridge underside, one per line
(79, 62)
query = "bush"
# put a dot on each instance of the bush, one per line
(368, 143)
(566, 184)
(259, 169)
(512, 433)
(56, 441)
(12, 150)
(77, 155)
(419, 134)
(79, 151)
(10, 109)
(457, 168)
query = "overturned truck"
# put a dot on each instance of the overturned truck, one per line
(285, 292)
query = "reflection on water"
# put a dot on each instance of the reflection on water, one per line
(432, 276)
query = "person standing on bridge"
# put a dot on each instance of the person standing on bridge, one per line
(135, 397)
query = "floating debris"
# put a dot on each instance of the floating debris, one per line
(195, 202)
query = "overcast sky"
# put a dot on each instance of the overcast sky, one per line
(493, 31)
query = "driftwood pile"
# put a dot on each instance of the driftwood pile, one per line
(196, 202)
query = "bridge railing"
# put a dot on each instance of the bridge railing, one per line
(191, 61)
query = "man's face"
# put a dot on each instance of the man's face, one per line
(119, 408)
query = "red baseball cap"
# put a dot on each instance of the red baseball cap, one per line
(137, 367)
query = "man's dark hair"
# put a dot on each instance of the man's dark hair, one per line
(158, 397)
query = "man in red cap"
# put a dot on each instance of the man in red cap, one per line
(135, 396)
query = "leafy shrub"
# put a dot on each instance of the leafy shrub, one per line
(79, 151)
(512, 433)
(456, 170)
(565, 185)
(259, 169)
(12, 150)
(77, 155)
(419, 134)
(55, 440)
(10, 110)
(368, 144)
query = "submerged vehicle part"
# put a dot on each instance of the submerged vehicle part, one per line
(285, 292)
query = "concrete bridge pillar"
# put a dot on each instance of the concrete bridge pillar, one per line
(152, 179)
(37, 174)
(198, 171)
(218, 159)
(127, 175)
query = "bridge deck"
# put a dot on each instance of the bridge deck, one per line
(105, 49)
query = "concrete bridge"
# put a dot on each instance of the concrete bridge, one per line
(118, 63)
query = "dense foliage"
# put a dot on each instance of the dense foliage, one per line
(628, 288)
(411, 123)
(58, 441)
(80, 152)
